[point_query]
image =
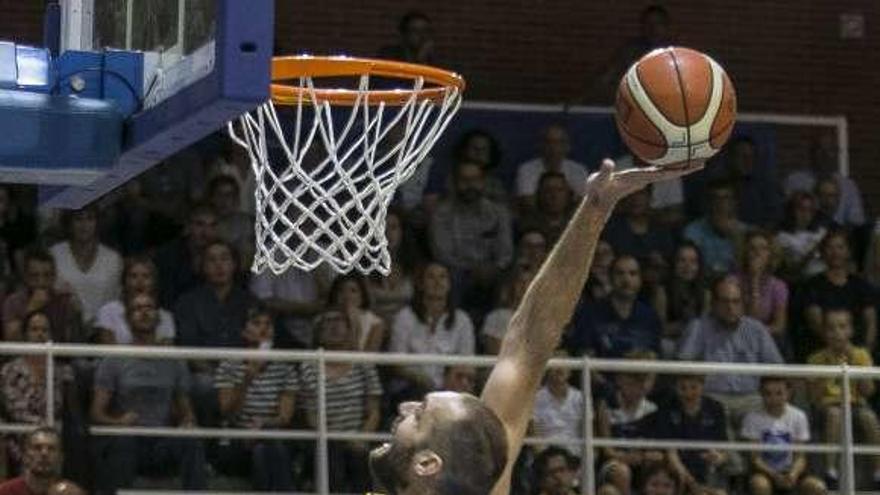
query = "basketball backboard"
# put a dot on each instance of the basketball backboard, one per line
(204, 62)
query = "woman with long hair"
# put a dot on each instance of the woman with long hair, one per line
(349, 295)
(390, 293)
(687, 294)
(765, 297)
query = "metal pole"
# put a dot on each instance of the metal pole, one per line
(843, 147)
(50, 385)
(847, 460)
(588, 481)
(321, 461)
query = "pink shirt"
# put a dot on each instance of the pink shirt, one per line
(772, 293)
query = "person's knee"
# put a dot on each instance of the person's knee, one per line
(812, 486)
(760, 485)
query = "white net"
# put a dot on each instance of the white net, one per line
(325, 173)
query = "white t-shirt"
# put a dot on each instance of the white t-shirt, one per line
(619, 416)
(559, 419)
(790, 428)
(97, 286)
(368, 319)
(496, 323)
(528, 175)
(112, 317)
(411, 336)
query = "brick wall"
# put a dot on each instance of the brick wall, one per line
(784, 55)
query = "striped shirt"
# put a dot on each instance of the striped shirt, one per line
(263, 394)
(750, 342)
(346, 395)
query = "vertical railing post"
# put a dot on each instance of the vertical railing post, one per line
(588, 482)
(50, 384)
(323, 481)
(847, 459)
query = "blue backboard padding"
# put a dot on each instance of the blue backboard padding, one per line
(56, 138)
(239, 82)
(112, 75)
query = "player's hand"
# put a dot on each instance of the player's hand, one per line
(606, 187)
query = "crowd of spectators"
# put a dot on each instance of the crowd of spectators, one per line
(766, 271)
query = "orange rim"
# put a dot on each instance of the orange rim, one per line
(294, 67)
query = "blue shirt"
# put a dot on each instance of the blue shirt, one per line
(601, 331)
(719, 252)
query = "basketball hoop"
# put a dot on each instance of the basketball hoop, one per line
(327, 160)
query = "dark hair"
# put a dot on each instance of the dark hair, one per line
(67, 217)
(220, 180)
(765, 379)
(542, 460)
(418, 304)
(831, 234)
(336, 286)
(654, 9)
(140, 259)
(790, 207)
(33, 314)
(549, 175)
(412, 15)
(655, 469)
(473, 448)
(42, 430)
(463, 142)
(39, 254)
(407, 254)
(233, 251)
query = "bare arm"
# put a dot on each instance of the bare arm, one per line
(373, 413)
(536, 327)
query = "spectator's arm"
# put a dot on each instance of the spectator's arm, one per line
(184, 409)
(760, 466)
(798, 466)
(687, 479)
(779, 320)
(286, 407)
(376, 337)
(373, 414)
(869, 316)
(100, 410)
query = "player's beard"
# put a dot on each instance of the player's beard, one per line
(388, 465)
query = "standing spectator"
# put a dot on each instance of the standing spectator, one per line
(179, 261)
(633, 233)
(257, 395)
(430, 325)
(91, 269)
(719, 233)
(23, 382)
(553, 207)
(778, 422)
(392, 292)
(473, 236)
(726, 335)
(827, 393)
(416, 43)
(758, 196)
(694, 417)
(349, 296)
(765, 297)
(138, 276)
(353, 398)
(40, 294)
(621, 323)
(295, 296)
(233, 225)
(555, 472)
(495, 324)
(799, 238)
(144, 392)
(43, 457)
(838, 287)
(559, 408)
(687, 295)
(555, 147)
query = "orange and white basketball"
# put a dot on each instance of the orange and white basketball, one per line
(675, 105)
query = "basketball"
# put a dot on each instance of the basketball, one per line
(675, 105)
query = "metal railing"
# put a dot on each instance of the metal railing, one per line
(586, 365)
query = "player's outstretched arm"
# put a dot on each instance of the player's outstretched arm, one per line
(536, 327)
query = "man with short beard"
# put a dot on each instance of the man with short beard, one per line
(458, 444)
(42, 465)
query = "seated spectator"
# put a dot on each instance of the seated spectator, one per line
(43, 459)
(353, 398)
(257, 395)
(473, 236)
(655, 270)
(460, 378)
(430, 325)
(555, 147)
(839, 287)
(559, 408)
(687, 296)
(627, 409)
(144, 392)
(555, 472)
(23, 389)
(295, 296)
(553, 207)
(474, 146)
(598, 286)
(827, 393)
(416, 43)
(495, 324)
(619, 324)
(765, 297)
(179, 261)
(349, 296)
(778, 422)
(90, 269)
(666, 198)
(233, 225)
(719, 233)
(390, 293)
(758, 197)
(138, 276)
(799, 237)
(694, 417)
(633, 232)
(40, 294)
(726, 335)
(660, 479)
(828, 201)
(531, 250)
